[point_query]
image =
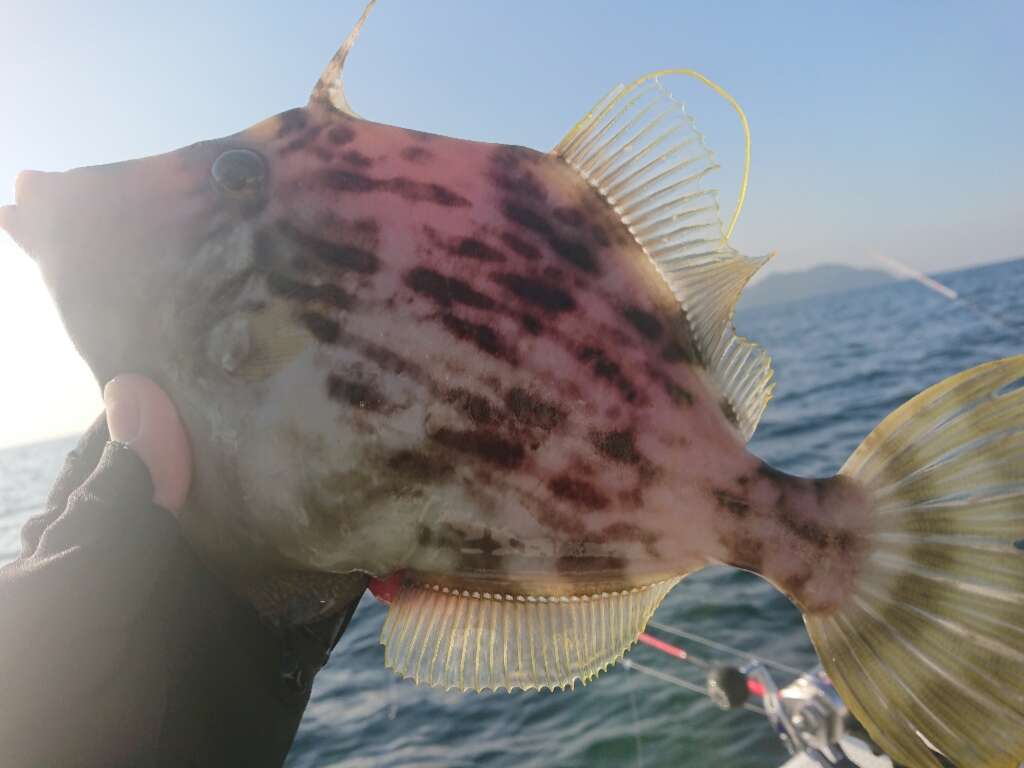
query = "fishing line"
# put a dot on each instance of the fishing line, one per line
(743, 119)
(725, 648)
(639, 752)
(680, 682)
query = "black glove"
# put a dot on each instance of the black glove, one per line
(119, 647)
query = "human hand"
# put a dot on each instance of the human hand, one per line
(120, 646)
(143, 419)
(141, 416)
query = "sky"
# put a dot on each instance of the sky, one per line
(878, 127)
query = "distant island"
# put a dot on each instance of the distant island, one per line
(826, 278)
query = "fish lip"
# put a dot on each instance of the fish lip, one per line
(9, 224)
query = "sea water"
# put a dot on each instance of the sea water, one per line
(842, 362)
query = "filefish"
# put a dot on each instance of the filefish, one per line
(507, 383)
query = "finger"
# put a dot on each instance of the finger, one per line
(142, 416)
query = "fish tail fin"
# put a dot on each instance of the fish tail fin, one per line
(930, 639)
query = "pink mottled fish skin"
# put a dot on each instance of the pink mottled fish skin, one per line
(436, 355)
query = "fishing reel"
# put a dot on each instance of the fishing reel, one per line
(808, 715)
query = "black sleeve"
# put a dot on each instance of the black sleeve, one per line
(119, 647)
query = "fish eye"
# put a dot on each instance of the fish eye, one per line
(240, 172)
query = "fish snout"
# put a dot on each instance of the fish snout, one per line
(8, 217)
(28, 184)
(32, 190)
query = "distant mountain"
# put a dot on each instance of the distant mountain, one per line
(827, 278)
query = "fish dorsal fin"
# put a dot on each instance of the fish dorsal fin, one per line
(641, 150)
(471, 640)
(330, 88)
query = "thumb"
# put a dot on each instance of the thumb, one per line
(142, 416)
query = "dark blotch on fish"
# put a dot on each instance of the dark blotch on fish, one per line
(572, 217)
(846, 541)
(291, 121)
(732, 504)
(600, 236)
(618, 446)
(745, 551)
(356, 393)
(510, 176)
(480, 335)
(337, 255)
(292, 290)
(520, 246)
(419, 466)
(674, 352)
(477, 408)
(483, 444)
(417, 155)
(609, 370)
(531, 412)
(535, 292)
(323, 328)
(486, 544)
(532, 325)
(645, 322)
(357, 158)
(446, 290)
(577, 491)
(424, 536)
(575, 253)
(808, 530)
(413, 191)
(471, 248)
(527, 218)
(572, 251)
(676, 393)
(303, 141)
(340, 135)
(387, 359)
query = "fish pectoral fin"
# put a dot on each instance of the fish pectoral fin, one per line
(642, 152)
(474, 641)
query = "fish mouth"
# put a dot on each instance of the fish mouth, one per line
(12, 217)
(12, 221)
(9, 223)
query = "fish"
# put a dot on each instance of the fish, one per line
(506, 384)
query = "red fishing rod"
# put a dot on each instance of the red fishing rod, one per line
(727, 682)
(807, 715)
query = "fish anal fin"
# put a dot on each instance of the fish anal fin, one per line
(642, 152)
(469, 640)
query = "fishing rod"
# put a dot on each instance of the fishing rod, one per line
(901, 270)
(808, 715)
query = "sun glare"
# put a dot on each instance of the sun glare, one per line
(47, 390)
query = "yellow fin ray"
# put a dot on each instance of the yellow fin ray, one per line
(930, 642)
(641, 150)
(471, 640)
